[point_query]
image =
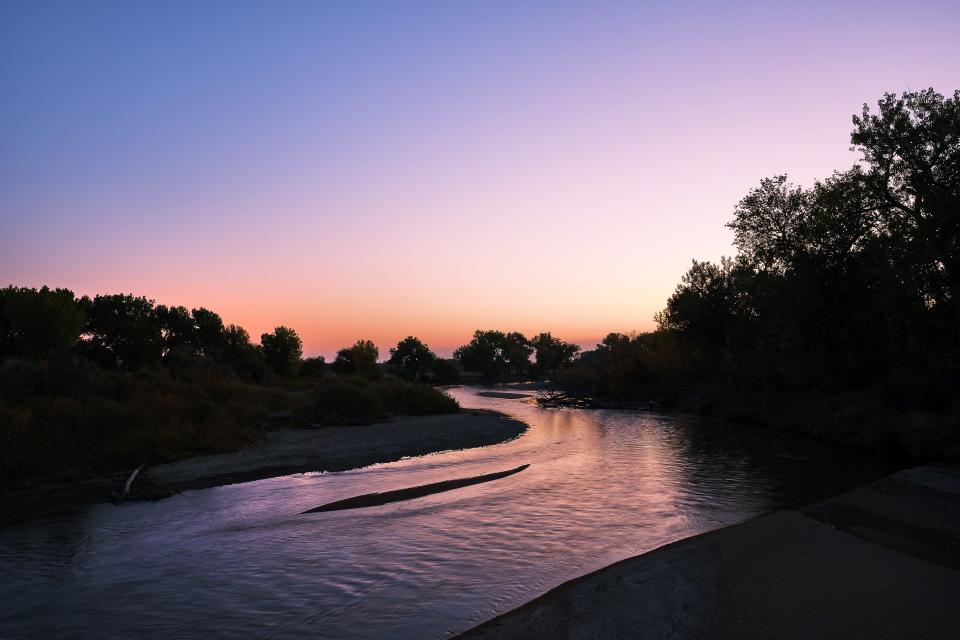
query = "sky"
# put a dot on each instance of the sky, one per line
(379, 169)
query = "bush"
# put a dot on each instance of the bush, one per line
(356, 401)
(413, 399)
(313, 367)
(344, 402)
(70, 416)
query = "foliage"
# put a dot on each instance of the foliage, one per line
(36, 323)
(282, 350)
(496, 355)
(123, 331)
(344, 402)
(239, 355)
(68, 415)
(102, 385)
(551, 354)
(499, 356)
(357, 401)
(360, 360)
(912, 150)
(445, 371)
(412, 359)
(313, 367)
(851, 286)
(402, 397)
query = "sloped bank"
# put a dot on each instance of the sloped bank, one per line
(282, 452)
(881, 561)
(330, 449)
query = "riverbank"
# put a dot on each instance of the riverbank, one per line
(882, 561)
(284, 451)
(864, 419)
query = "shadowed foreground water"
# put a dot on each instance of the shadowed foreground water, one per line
(239, 561)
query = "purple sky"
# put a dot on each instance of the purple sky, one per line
(373, 170)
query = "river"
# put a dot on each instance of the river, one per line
(238, 561)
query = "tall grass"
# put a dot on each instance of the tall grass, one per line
(64, 419)
(93, 421)
(356, 401)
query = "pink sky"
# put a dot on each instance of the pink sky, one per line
(377, 174)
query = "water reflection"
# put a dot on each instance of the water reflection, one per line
(238, 560)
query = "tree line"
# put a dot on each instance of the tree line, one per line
(123, 332)
(850, 285)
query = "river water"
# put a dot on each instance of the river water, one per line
(238, 561)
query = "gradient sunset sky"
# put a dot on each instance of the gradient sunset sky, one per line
(373, 170)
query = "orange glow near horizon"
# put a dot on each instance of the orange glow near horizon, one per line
(367, 172)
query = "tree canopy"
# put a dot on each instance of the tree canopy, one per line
(35, 323)
(282, 350)
(359, 359)
(551, 353)
(412, 359)
(851, 283)
(495, 355)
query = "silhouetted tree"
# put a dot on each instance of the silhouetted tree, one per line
(282, 350)
(412, 359)
(496, 355)
(35, 323)
(123, 331)
(708, 305)
(240, 355)
(177, 328)
(551, 353)
(209, 332)
(912, 150)
(360, 359)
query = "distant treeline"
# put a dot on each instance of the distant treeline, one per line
(122, 332)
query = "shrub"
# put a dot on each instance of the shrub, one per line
(344, 402)
(74, 417)
(408, 398)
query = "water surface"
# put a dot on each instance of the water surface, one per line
(239, 561)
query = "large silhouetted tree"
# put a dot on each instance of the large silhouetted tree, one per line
(177, 328)
(35, 323)
(551, 354)
(123, 331)
(360, 359)
(708, 306)
(282, 350)
(209, 332)
(496, 355)
(412, 359)
(911, 147)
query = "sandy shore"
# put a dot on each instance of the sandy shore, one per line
(282, 452)
(329, 449)
(878, 562)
